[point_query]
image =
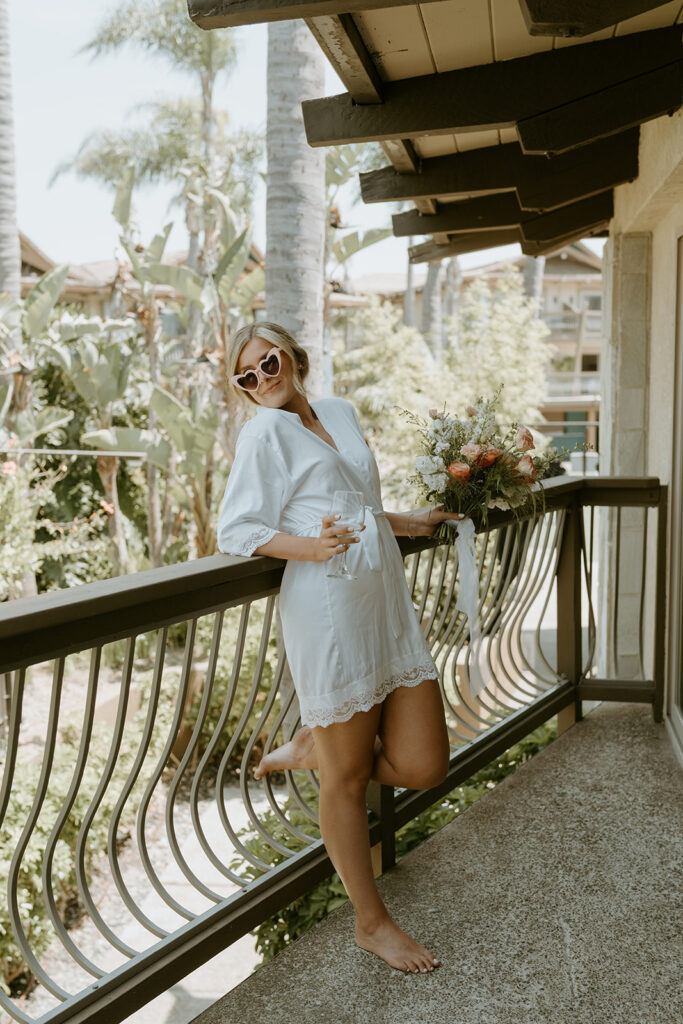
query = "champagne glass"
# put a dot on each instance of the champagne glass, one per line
(350, 507)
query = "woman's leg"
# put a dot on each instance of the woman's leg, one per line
(415, 749)
(345, 755)
(411, 750)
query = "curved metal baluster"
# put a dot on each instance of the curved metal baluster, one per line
(141, 820)
(544, 574)
(62, 817)
(89, 816)
(427, 584)
(496, 603)
(184, 761)
(156, 882)
(277, 725)
(145, 741)
(560, 516)
(293, 789)
(509, 584)
(157, 774)
(438, 591)
(587, 557)
(413, 573)
(27, 831)
(531, 579)
(213, 743)
(16, 707)
(220, 801)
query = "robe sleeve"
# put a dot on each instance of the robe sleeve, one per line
(256, 492)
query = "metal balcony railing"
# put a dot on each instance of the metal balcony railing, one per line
(199, 687)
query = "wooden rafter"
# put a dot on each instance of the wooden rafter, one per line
(580, 17)
(210, 14)
(534, 233)
(540, 183)
(498, 95)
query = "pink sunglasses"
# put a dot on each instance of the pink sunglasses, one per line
(269, 366)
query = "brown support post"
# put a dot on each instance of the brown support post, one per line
(660, 605)
(569, 612)
(380, 800)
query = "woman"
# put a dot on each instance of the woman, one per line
(368, 689)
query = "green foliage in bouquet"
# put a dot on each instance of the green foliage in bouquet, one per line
(470, 465)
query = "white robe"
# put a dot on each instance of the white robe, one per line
(348, 642)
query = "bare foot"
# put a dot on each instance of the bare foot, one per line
(395, 946)
(298, 753)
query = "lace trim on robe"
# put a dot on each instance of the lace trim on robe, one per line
(363, 702)
(253, 540)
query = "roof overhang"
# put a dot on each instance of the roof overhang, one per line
(502, 120)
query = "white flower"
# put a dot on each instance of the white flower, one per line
(426, 464)
(499, 503)
(441, 446)
(436, 481)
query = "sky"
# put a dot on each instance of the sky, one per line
(59, 98)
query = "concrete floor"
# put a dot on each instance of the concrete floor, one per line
(554, 899)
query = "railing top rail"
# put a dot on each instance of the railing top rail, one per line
(64, 621)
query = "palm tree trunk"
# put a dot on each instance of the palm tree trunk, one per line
(10, 253)
(533, 269)
(295, 220)
(295, 193)
(431, 308)
(409, 298)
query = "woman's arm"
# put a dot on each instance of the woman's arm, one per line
(310, 549)
(420, 523)
(404, 524)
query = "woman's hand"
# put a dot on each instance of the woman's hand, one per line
(333, 539)
(425, 521)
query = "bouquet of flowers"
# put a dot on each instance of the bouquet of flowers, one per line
(470, 465)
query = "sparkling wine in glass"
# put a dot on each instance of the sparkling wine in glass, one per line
(350, 507)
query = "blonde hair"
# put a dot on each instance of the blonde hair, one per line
(275, 335)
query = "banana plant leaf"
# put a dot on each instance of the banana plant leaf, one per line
(131, 439)
(41, 300)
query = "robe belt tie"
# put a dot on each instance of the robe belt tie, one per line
(373, 546)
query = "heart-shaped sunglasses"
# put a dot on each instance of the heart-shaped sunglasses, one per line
(269, 366)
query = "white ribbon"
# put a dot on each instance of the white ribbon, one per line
(468, 595)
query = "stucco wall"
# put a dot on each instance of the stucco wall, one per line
(639, 381)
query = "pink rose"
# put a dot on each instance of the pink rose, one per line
(9, 468)
(524, 438)
(472, 451)
(471, 411)
(525, 467)
(460, 471)
(489, 457)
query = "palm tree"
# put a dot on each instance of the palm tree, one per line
(10, 256)
(295, 193)
(164, 29)
(10, 253)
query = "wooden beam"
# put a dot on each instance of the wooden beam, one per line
(341, 42)
(495, 213)
(483, 214)
(496, 95)
(428, 252)
(553, 244)
(211, 14)
(540, 183)
(612, 110)
(580, 17)
(582, 216)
